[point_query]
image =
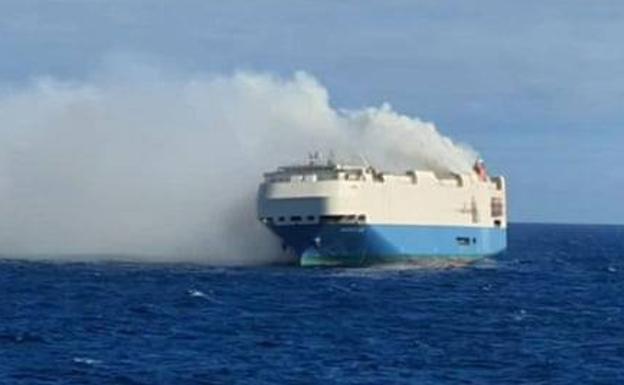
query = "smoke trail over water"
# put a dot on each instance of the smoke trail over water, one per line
(168, 170)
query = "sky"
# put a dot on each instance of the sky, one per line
(536, 87)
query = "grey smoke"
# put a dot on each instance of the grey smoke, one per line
(166, 169)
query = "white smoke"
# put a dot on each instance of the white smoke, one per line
(167, 169)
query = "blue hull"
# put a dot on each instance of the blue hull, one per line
(362, 245)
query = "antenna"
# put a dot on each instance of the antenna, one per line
(313, 157)
(331, 157)
(364, 160)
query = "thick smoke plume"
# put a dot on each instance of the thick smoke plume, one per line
(166, 170)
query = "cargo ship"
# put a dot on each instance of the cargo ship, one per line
(331, 214)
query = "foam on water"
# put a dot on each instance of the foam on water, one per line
(196, 293)
(86, 361)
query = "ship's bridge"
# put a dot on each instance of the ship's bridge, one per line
(321, 172)
(306, 194)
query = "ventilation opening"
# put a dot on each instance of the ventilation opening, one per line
(343, 219)
(497, 223)
(332, 218)
(497, 207)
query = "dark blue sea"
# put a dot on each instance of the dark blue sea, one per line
(548, 311)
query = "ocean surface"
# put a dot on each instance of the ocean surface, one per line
(548, 311)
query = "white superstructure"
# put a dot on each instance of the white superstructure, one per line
(414, 197)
